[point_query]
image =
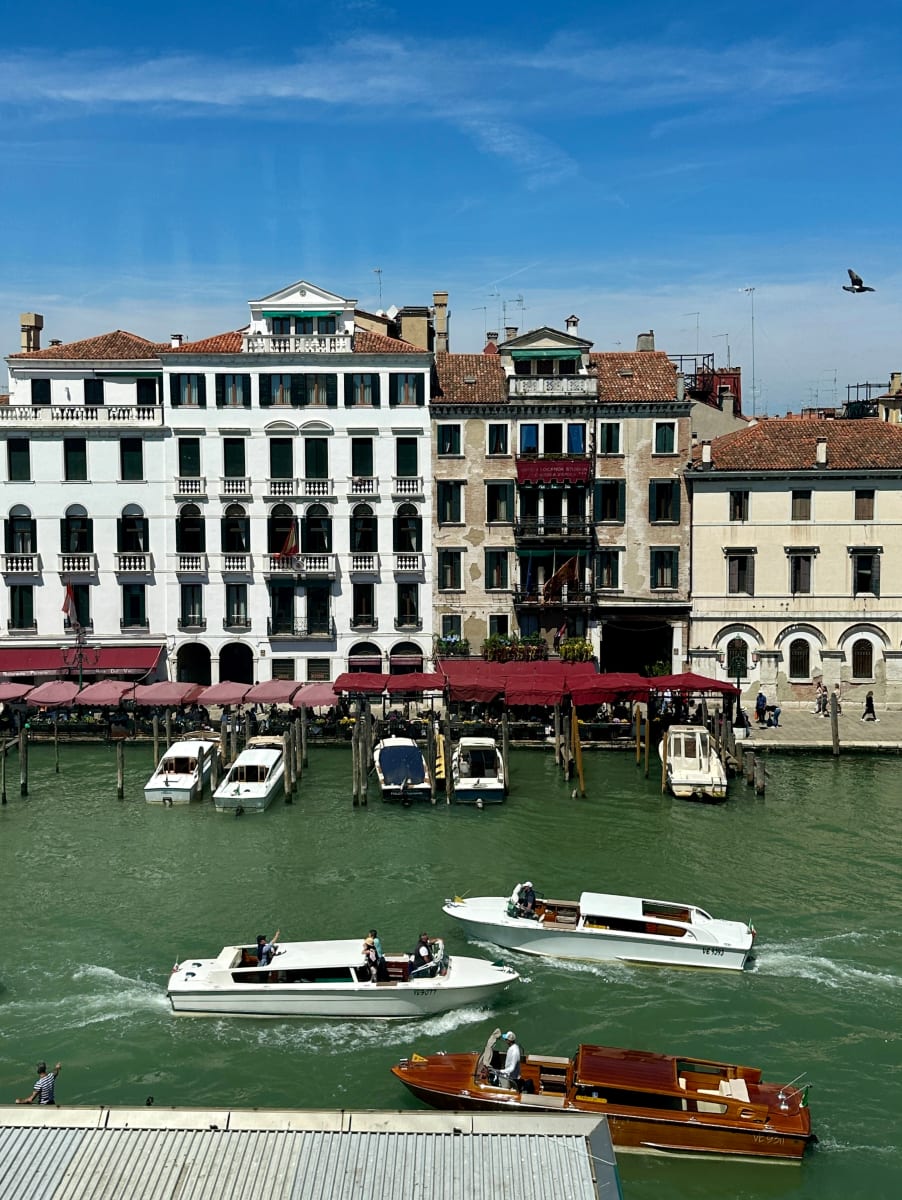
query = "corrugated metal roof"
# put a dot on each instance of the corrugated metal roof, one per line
(152, 1154)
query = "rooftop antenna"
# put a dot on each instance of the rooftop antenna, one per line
(496, 295)
(696, 315)
(484, 309)
(750, 292)
(727, 336)
(378, 271)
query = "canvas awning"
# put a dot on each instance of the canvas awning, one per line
(54, 691)
(608, 687)
(273, 691)
(104, 692)
(363, 682)
(315, 695)
(63, 660)
(14, 691)
(688, 681)
(167, 694)
(416, 682)
(554, 470)
(224, 693)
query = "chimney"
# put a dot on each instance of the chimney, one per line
(56, 342)
(646, 341)
(895, 383)
(706, 453)
(572, 324)
(31, 325)
(492, 337)
(440, 321)
(820, 457)
(175, 340)
(510, 331)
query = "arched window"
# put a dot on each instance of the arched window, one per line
(76, 531)
(132, 531)
(282, 531)
(737, 658)
(862, 659)
(408, 529)
(190, 536)
(236, 530)
(364, 539)
(799, 659)
(316, 530)
(21, 531)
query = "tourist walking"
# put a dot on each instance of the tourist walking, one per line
(43, 1087)
(869, 714)
(761, 708)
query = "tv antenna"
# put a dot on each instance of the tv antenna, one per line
(727, 336)
(696, 315)
(378, 271)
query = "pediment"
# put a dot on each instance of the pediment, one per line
(280, 427)
(316, 427)
(546, 338)
(300, 296)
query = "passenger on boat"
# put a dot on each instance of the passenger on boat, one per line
(371, 959)
(381, 966)
(526, 900)
(509, 1075)
(266, 949)
(421, 957)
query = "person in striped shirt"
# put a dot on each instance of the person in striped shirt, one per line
(43, 1088)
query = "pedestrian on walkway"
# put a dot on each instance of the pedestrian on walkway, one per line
(43, 1087)
(869, 714)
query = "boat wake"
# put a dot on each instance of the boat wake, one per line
(795, 962)
(95, 995)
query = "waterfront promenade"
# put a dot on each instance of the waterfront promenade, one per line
(801, 731)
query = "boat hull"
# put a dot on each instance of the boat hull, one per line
(247, 800)
(173, 795)
(478, 793)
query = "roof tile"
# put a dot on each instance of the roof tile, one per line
(118, 345)
(790, 444)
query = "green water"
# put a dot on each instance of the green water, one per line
(101, 896)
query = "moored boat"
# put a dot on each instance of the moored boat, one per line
(692, 766)
(654, 1103)
(477, 771)
(254, 779)
(184, 769)
(330, 979)
(401, 770)
(600, 926)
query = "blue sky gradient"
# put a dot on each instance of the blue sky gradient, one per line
(636, 165)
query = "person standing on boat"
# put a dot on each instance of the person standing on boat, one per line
(421, 957)
(526, 900)
(509, 1076)
(43, 1087)
(266, 949)
(371, 958)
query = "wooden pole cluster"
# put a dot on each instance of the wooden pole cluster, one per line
(288, 761)
(577, 748)
(120, 769)
(23, 762)
(361, 753)
(432, 761)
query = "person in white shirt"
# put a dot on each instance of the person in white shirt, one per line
(509, 1076)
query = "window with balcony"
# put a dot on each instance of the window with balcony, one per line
(449, 502)
(190, 535)
(663, 501)
(282, 532)
(234, 461)
(498, 439)
(81, 597)
(739, 505)
(76, 531)
(132, 531)
(316, 458)
(325, 325)
(188, 391)
(21, 606)
(93, 392)
(448, 440)
(865, 573)
(364, 530)
(236, 606)
(233, 391)
(801, 504)
(665, 437)
(499, 503)
(449, 570)
(799, 659)
(189, 457)
(281, 326)
(148, 391)
(741, 574)
(800, 574)
(235, 530)
(529, 439)
(664, 568)
(363, 605)
(408, 606)
(281, 458)
(316, 530)
(496, 562)
(75, 459)
(362, 457)
(576, 438)
(408, 530)
(281, 607)
(131, 459)
(18, 460)
(406, 389)
(862, 659)
(40, 392)
(134, 606)
(362, 391)
(319, 616)
(864, 504)
(553, 438)
(406, 458)
(192, 606)
(21, 531)
(607, 571)
(609, 437)
(610, 501)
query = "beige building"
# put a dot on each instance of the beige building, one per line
(796, 570)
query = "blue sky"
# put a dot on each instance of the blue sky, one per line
(638, 165)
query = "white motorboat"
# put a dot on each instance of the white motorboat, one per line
(477, 771)
(599, 927)
(255, 777)
(183, 771)
(330, 979)
(401, 770)
(692, 766)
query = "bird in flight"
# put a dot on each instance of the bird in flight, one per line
(857, 284)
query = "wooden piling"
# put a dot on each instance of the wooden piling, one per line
(446, 749)
(223, 738)
(355, 767)
(557, 733)
(156, 739)
(748, 766)
(834, 723)
(23, 762)
(577, 755)
(431, 761)
(201, 763)
(506, 748)
(288, 770)
(304, 735)
(56, 743)
(638, 717)
(647, 741)
(233, 736)
(215, 761)
(299, 763)
(120, 769)
(3, 774)
(664, 763)
(760, 775)
(168, 729)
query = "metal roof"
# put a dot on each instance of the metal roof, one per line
(220, 1154)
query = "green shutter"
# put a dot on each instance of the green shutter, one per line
(316, 458)
(331, 391)
(174, 397)
(281, 458)
(118, 535)
(265, 391)
(393, 390)
(189, 457)
(675, 501)
(233, 459)
(421, 390)
(361, 457)
(298, 390)
(374, 390)
(621, 500)
(349, 391)
(201, 392)
(652, 507)
(220, 391)
(245, 390)
(596, 500)
(406, 457)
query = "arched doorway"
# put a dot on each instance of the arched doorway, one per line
(236, 663)
(405, 658)
(193, 663)
(365, 656)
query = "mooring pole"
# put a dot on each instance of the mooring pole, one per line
(56, 742)
(3, 774)
(120, 769)
(287, 766)
(23, 762)
(304, 735)
(168, 728)
(647, 740)
(156, 738)
(834, 723)
(506, 748)
(201, 763)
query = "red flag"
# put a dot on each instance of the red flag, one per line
(290, 548)
(568, 573)
(69, 607)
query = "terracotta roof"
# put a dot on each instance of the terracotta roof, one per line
(367, 342)
(118, 345)
(790, 444)
(219, 343)
(634, 375)
(470, 379)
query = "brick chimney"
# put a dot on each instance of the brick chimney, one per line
(646, 341)
(31, 325)
(510, 331)
(441, 318)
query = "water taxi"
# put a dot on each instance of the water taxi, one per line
(183, 771)
(401, 770)
(254, 779)
(599, 927)
(692, 767)
(477, 771)
(331, 979)
(654, 1103)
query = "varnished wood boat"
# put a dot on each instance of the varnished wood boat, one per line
(655, 1103)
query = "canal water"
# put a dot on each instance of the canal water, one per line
(101, 896)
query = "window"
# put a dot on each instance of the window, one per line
(279, 389)
(499, 625)
(281, 326)
(21, 531)
(233, 391)
(303, 325)
(132, 531)
(408, 606)
(499, 502)
(608, 570)
(316, 458)
(318, 670)
(529, 439)
(192, 605)
(741, 574)
(865, 573)
(408, 530)
(800, 574)
(862, 659)
(188, 391)
(134, 612)
(235, 530)
(451, 627)
(233, 460)
(576, 439)
(448, 437)
(283, 668)
(406, 458)
(319, 617)
(864, 504)
(664, 568)
(498, 439)
(18, 459)
(236, 606)
(553, 439)
(190, 536)
(322, 390)
(799, 659)
(364, 605)
(609, 437)
(361, 391)
(801, 504)
(148, 391)
(663, 501)
(131, 458)
(76, 531)
(316, 530)
(495, 570)
(281, 607)
(737, 658)
(449, 570)
(40, 392)
(448, 499)
(739, 506)
(281, 458)
(406, 389)
(93, 392)
(75, 458)
(189, 458)
(325, 325)
(81, 595)
(21, 606)
(665, 437)
(362, 458)
(282, 531)
(364, 531)
(610, 500)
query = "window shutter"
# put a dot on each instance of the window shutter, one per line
(143, 527)
(202, 535)
(349, 391)
(675, 500)
(875, 574)
(674, 568)
(89, 534)
(223, 540)
(179, 534)
(421, 390)
(375, 380)
(621, 500)
(265, 391)
(118, 535)
(8, 535)
(64, 530)
(220, 391)
(652, 510)
(596, 502)
(392, 390)
(281, 458)
(804, 575)
(245, 390)
(750, 574)
(331, 391)
(298, 390)
(733, 575)
(201, 394)
(174, 397)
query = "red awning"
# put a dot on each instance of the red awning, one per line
(14, 691)
(364, 682)
(688, 681)
(553, 470)
(104, 692)
(224, 693)
(542, 692)
(315, 695)
(166, 694)
(95, 660)
(608, 687)
(476, 681)
(417, 682)
(54, 691)
(272, 691)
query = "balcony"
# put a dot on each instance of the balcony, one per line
(408, 624)
(576, 386)
(134, 562)
(569, 597)
(364, 564)
(235, 487)
(237, 564)
(283, 489)
(300, 630)
(192, 624)
(281, 564)
(363, 487)
(75, 415)
(87, 627)
(19, 627)
(318, 489)
(134, 624)
(554, 469)
(77, 563)
(316, 566)
(191, 486)
(298, 343)
(191, 564)
(236, 623)
(364, 621)
(410, 564)
(22, 564)
(554, 529)
(407, 487)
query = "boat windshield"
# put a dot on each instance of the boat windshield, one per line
(178, 766)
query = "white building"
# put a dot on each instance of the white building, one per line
(249, 506)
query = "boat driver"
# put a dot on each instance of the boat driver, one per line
(509, 1075)
(421, 957)
(526, 900)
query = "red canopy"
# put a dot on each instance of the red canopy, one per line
(169, 695)
(54, 691)
(96, 660)
(315, 695)
(104, 692)
(224, 693)
(272, 691)
(610, 686)
(477, 681)
(367, 683)
(416, 681)
(690, 682)
(14, 691)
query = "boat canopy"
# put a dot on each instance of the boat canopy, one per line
(600, 904)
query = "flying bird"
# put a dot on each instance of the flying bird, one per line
(857, 283)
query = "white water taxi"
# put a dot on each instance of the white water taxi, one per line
(330, 979)
(692, 767)
(401, 770)
(477, 771)
(183, 771)
(255, 777)
(599, 927)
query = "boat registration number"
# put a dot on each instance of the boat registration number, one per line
(715, 950)
(424, 992)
